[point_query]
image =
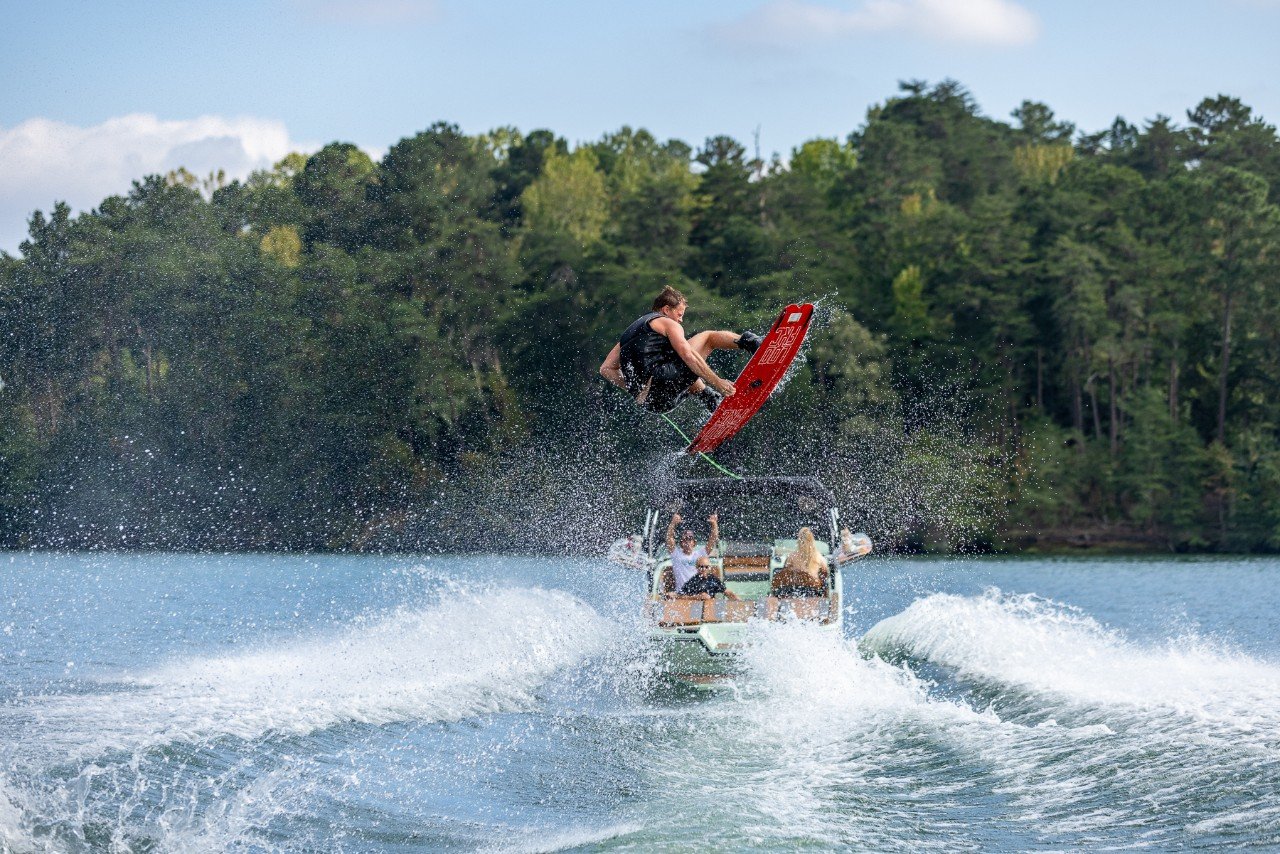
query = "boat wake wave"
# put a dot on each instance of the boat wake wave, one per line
(1073, 734)
(1028, 644)
(1098, 730)
(470, 654)
(206, 752)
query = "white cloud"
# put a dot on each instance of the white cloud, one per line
(43, 161)
(795, 23)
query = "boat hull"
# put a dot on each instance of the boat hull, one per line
(708, 656)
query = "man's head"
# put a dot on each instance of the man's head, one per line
(688, 541)
(704, 566)
(671, 303)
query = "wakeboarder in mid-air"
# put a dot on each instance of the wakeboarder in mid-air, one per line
(659, 367)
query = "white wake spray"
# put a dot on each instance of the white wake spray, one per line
(1173, 739)
(1054, 731)
(820, 746)
(1033, 644)
(470, 654)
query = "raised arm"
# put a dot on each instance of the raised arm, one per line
(845, 552)
(611, 369)
(714, 539)
(691, 357)
(671, 532)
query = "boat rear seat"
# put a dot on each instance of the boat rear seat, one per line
(740, 611)
(677, 612)
(693, 612)
(807, 608)
(745, 567)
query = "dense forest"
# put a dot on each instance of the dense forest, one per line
(1030, 337)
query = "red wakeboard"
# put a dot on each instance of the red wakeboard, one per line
(758, 379)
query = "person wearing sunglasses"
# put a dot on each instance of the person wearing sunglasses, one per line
(686, 553)
(707, 584)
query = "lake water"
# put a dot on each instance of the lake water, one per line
(251, 702)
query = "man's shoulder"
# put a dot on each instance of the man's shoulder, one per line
(665, 325)
(703, 584)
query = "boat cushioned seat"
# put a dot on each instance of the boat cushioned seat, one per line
(670, 613)
(793, 582)
(806, 608)
(678, 612)
(745, 567)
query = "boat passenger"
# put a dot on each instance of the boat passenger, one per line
(851, 546)
(684, 558)
(706, 584)
(805, 571)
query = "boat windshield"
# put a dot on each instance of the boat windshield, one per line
(758, 517)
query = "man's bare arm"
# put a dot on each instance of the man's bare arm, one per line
(612, 367)
(691, 357)
(714, 539)
(671, 533)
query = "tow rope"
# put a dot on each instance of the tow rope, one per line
(706, 457)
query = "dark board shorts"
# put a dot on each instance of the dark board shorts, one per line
(671, 379)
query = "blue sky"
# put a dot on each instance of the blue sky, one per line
(99, 93)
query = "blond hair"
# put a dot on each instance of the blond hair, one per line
(807, 552)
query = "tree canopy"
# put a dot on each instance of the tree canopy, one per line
(1029, 335)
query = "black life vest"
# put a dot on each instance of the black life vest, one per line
(642, 349)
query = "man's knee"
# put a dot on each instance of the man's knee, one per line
(713, 339)
(700, 340)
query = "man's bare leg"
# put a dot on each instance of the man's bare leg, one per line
(704, 343)
(714, 339)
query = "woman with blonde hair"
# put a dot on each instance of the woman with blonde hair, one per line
(805, 572)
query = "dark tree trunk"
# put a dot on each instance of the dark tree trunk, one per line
(1040, 378)
(1222, 371)
(53, 409)
(1113, 408)
(1093, 405)
(1077, 406)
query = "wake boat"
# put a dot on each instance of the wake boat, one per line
(697, 641)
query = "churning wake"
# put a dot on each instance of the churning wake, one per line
(1103, 734)
(980, 723)
(469, 655)
(510, 719)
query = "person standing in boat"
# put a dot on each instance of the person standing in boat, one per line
(655, 364)
(684, 558)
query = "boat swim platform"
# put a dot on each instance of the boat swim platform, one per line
(681, 613)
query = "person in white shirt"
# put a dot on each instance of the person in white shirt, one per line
(684, 557)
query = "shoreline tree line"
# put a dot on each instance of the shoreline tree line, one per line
(1032, 336)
